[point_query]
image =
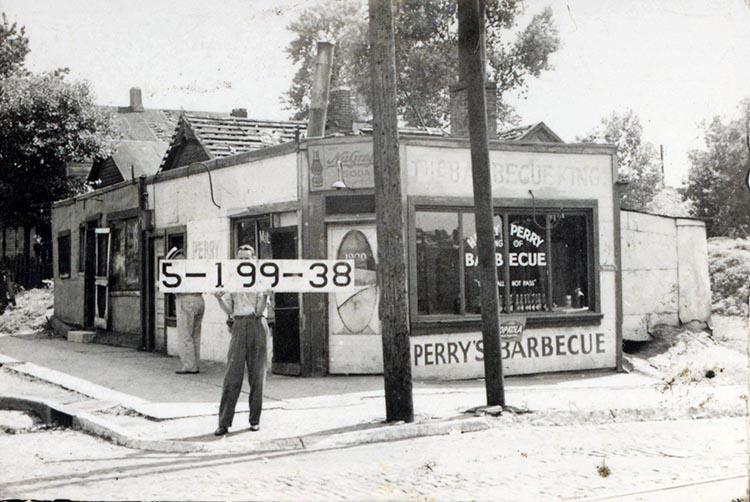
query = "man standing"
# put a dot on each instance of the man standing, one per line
(189, 308)
(247, 314)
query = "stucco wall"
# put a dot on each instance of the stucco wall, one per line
(186, 201)
(664, 273)
(69, 292)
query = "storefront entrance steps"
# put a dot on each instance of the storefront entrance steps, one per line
(81, 336)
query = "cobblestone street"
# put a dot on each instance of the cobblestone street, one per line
(529, 463)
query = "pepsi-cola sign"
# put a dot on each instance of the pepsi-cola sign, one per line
(511, 327)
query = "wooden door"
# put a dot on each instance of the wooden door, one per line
(101, 278)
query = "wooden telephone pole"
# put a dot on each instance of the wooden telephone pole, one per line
(471, 54)
(394, 323)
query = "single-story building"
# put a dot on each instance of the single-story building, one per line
(230, 181)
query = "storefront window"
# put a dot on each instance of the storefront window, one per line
(255, 232)
(570, 287)
(438, 264)
(471, 274)
(547, 261)
(527, 260)
(125, 252)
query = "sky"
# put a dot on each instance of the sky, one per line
(674, 62)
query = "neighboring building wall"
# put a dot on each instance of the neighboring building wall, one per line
(664, 273)
(69, 215)
(185, 201)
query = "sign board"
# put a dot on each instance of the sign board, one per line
(511, 327)
(280, 276)
(348, 163)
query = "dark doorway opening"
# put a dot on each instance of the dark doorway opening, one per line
(286, 340)
(89, 284)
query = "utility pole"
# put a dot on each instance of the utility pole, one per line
(394, 323)
(471, 54)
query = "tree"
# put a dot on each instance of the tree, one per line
(638, 161)
(47, 122)
(426, 54)
(14, 46)
(716, 181)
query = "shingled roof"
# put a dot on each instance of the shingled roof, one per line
(538, 132)
(144, 125)
(129, 159)
(215, 137)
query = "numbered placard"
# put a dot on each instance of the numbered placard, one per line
(281, 276)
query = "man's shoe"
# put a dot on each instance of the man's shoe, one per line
(255, 428)
(220, 431)
(187, 372)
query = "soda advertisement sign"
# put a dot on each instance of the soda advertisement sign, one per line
(349, 164)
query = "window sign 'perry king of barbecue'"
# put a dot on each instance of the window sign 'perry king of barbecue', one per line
(281, 276)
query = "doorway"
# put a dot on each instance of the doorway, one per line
(286, 339)
(155, 334)
(89, 283)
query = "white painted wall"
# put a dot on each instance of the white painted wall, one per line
(446, 172)
(187, 201)
(664, 273)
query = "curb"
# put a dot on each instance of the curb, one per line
(54, 413)
(58, 414)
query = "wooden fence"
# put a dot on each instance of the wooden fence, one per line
(28, 273)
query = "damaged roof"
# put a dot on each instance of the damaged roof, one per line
(535, 133)
(129, 159)
(200, 137)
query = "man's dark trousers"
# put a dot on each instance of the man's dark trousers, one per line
(248, 347)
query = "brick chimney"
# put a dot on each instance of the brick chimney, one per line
(340, 112)
(239, 112)
(459, 113)
(136, 101)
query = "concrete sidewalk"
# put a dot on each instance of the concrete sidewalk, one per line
(136, 399)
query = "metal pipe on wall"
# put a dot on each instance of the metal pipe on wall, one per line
(321, 87)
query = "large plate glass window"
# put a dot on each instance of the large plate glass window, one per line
(438, 264)
(543, 257)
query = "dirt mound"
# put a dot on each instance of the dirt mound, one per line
(729, 267)
(33, 308)
(682, 356)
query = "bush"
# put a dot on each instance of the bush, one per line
(729, 268)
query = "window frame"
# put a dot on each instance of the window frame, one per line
(81, 258)
(171, 321)
(234, 239)
(119, 220)
(446, 323)
(61, 235)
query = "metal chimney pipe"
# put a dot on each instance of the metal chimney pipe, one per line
(321, 87)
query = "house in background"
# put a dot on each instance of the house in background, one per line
(101, 236)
